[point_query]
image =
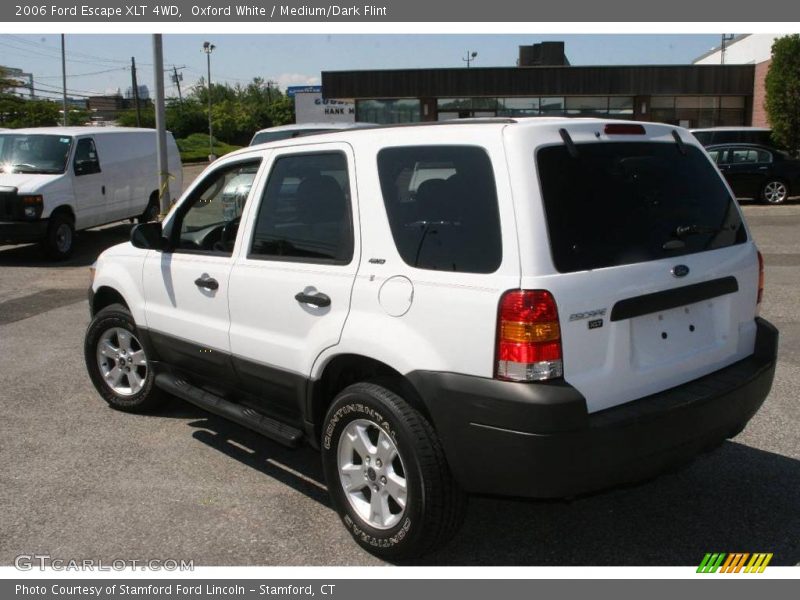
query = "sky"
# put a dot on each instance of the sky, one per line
(101, 63)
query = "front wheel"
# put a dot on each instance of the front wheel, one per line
(775, 191)
(60, 239)
(387, 474)
(117, 362)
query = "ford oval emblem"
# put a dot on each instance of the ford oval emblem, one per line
(680, 271)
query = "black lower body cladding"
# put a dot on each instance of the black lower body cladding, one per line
(537, 440)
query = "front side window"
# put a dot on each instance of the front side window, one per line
(442, 207)
(209, 220)
(86, 159)
(34, 153)
(305, 212)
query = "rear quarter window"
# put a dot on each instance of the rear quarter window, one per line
(620, 203)
(441, 202)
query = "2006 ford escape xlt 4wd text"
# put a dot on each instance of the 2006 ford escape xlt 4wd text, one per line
(540, 308)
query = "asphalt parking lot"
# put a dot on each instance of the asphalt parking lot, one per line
(82, 481)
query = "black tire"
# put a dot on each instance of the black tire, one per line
(774, 191)
(59, 242)
(435, 505)
(151, 212)
(117, 318)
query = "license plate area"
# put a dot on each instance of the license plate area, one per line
(670, 335)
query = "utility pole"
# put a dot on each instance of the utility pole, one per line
(270, 85)
(135, 87)
(63, 78)
(161, 127)
(176, 79)
(208, 48)
(726, 37)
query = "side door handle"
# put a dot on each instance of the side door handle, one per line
(208, 283)
(320, 300)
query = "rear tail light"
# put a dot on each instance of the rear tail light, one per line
(760, 278)
(528, 337)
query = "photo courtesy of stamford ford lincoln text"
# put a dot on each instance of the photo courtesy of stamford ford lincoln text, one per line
(368, 299)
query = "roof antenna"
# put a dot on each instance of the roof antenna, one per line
(573, 150)
(679, 141)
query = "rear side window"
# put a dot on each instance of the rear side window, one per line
(442, 207)
(622, 203)
(305, 213)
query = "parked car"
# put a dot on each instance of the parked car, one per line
(758, 172)
(55, 181)
(286, 132)
(528, 307)
(734, 135)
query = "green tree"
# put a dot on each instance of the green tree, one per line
(127, 118)
(783, 92)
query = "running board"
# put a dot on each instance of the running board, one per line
(244, 416)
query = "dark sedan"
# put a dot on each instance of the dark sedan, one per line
(758, 172)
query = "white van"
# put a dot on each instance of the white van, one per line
(58, 180)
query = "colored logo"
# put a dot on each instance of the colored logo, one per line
(735, 562)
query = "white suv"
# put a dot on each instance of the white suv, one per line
(533, 307)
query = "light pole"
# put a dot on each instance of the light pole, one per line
(63, 79)
(470, 57)
(208, 48)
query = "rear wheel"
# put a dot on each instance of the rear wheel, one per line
(774, 191)
(117, 362)
(60, 239)
(387, 474)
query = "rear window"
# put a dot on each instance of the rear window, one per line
(622, 203)
(442, 207)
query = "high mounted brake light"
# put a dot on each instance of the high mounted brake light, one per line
(528, 337)
(624, 129)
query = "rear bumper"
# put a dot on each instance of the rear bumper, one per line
(21, 232)
(539, 441)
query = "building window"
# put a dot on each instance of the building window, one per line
(551, 106)
(620, 105)
(587, 105)
(698, 111)
(518, 107)
(389, 111)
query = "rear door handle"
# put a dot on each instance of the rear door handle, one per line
(208, 283)
(320, 300)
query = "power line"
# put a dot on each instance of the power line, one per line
(72, 52)
(73, 75)
(26, 53)
(71, 90)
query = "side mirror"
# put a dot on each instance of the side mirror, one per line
(148, 236)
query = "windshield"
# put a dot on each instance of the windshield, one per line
(24, 153)
(621, 203)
